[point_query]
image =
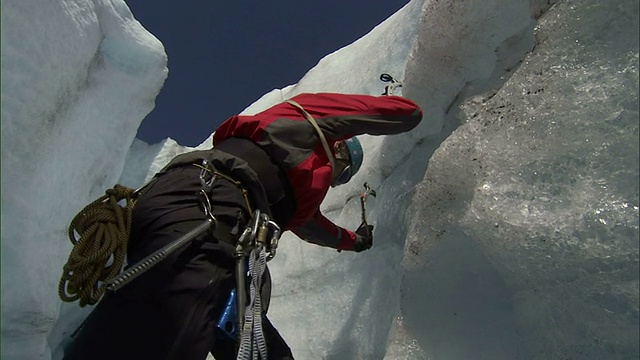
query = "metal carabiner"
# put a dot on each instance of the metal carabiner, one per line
(207, 185)
(246, 237)
(273, 243)
(257, 215)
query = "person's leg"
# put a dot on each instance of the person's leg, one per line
(170, 311)
(224, 349)
(265, 289)
(277, 347)
(118, 328)
(167, 313)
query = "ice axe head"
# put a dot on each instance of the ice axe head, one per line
(368, 191)
(386, 78)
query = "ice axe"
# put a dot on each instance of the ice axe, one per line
(363, 199)
(388, 89)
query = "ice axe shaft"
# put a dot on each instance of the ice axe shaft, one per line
(363, 199)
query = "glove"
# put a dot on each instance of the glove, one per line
(364, 238)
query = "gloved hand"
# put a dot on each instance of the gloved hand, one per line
(364, 238)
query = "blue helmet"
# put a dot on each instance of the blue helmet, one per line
(356, 155)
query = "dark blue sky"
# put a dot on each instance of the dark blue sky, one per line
(224, 55)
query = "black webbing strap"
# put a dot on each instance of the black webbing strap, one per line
(276, 185)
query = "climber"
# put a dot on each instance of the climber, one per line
(281, 161)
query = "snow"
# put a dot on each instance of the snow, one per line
(506, 223)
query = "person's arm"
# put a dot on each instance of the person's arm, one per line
(345, 115)
(340, 116)
(321, 231)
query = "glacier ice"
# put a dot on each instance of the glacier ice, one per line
(506, 223)
(535, 199)
(77, 79)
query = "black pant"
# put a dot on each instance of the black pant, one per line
(171, 311)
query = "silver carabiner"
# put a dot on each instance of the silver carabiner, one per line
(273, 243)
(207, 185)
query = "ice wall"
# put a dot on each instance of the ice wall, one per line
(78, 77)
(525, 227)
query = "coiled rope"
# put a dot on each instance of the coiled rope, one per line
(99, 253)
(253, 342)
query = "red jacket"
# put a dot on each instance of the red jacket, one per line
(292, 142)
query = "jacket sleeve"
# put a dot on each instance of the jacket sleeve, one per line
(342, 116)
(321, 231)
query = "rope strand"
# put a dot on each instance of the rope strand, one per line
(99, 250)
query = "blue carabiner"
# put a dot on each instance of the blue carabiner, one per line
(229, 318)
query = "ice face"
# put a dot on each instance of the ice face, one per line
(506, 223)
(535, 199)
(77, 79)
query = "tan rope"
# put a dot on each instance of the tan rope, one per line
(313, 122)
(99, 253)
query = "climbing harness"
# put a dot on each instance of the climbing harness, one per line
(390, 88)
(208, 224)
(99, 234)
